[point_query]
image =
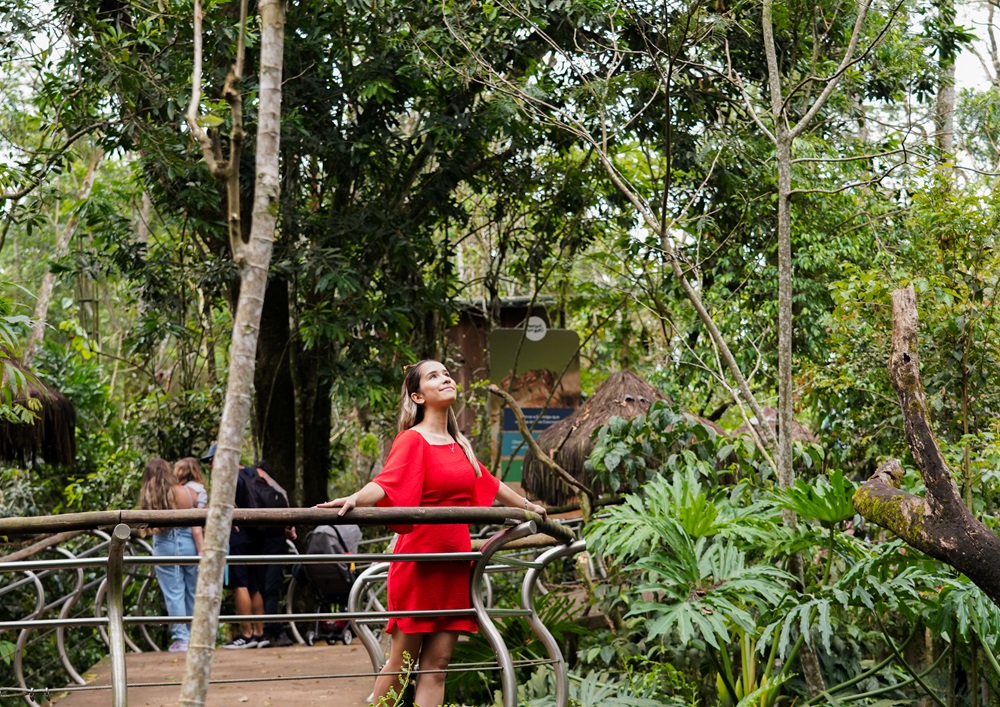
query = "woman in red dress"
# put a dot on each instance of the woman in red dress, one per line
(430, 463)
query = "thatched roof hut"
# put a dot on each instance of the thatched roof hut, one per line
(51, 436)
(570, 441)
(800, 432)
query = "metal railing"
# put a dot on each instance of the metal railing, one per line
(364, 610)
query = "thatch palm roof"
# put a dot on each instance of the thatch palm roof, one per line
(570, 441)
(800, 432)
(51, 436)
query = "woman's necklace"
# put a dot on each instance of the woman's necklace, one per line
(433, 437)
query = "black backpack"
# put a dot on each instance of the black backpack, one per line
(257, 493)
(261, 494)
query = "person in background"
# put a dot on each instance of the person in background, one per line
(160, 492)
(271, 540)
(239, 578)
(247, 582)
(431, 463)
(187, 471)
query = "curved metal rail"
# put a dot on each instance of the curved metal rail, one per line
(493, 636)
(364, 610)
(543, 633)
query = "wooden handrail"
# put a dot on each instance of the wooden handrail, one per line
(31, 525)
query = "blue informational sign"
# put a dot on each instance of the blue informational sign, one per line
(512, 444)
(536, 365)
(537, 419)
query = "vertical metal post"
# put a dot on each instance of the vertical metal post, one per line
(116, 614)
(528, 602)
(486, 625)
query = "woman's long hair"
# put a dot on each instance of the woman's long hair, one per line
(188, 469)
(157, 489)
(411, 414)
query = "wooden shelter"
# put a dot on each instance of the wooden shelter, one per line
(800, 433)
(51, 436)
(570, 441)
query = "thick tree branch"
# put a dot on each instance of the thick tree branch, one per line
(544, 458)
(938, 524)
(221, 168)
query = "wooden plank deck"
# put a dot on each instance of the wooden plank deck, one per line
(301, 664)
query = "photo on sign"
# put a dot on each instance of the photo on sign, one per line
(532, 389)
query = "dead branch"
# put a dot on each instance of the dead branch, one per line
(544, 458)
(938, 524)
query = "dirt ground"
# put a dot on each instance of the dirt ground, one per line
(296, 675)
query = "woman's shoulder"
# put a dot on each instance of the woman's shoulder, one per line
(409, 437)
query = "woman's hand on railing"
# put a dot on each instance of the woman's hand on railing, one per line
(370, 494)
(535, 508)
(345, 504)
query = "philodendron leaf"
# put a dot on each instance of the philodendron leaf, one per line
(827, 499)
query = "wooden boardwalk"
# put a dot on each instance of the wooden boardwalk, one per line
(308, 678)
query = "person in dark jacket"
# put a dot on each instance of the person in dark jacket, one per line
(256, 588)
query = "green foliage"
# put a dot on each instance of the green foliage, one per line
(681, 544)
(694, 576)
(827, 499)
(394, 699)
(15, 406)
(6, 652)
(557, 611)
(626, 451)
(597, 689)
(945, 252)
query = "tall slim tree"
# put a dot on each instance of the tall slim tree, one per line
(253, 258)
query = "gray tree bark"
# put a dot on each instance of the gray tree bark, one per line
(783, 136)
(253, 258)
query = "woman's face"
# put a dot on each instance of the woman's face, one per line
(437, 389)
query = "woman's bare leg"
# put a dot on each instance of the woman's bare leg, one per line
(399, 644)
(435, 654)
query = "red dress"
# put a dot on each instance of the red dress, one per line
(421, 474)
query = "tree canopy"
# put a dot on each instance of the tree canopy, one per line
(719, 196)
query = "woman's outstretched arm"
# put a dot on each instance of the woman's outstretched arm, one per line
(510, 498)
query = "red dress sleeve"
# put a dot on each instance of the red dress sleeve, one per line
(402, 477)
(487, 486)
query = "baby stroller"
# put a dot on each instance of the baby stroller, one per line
(329, 583)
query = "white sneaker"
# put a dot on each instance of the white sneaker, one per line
(241, 642)
(178, 647)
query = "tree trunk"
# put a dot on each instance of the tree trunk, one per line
(783, 454)
(784, 135)
(944, 115)
(278, 410)
(298, 394)
(49, 279)
(275, 422)
(253, 259)
(938, 524)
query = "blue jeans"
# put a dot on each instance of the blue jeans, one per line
(177, 582)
